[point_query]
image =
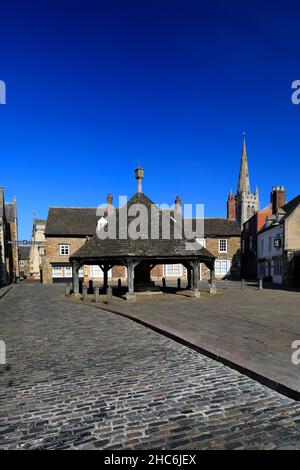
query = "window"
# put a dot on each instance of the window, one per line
(222, 267)
(173, 270)
(57, 272)
(223, 245)
(64, 250)
(68, 271)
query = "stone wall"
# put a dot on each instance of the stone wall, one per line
(52, 254)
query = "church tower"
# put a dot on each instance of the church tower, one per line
(246, 203)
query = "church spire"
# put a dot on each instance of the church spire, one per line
(244, 184)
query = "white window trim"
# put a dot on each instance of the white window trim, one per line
(228, 267)
(223, 240)
(55, 273)
(169, 266)
(63, 247)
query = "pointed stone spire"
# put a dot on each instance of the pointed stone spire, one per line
(244, 184)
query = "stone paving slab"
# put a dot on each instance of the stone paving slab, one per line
(250, 329)
(81, 378)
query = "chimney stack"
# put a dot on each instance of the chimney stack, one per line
(178, 205)
(231, 207)
(278, 198)
(139, 174)
(109, 203)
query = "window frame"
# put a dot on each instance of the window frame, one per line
(221, 240)
(62, 247)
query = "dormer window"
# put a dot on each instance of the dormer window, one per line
(101, 223)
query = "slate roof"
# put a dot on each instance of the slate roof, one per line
(150, 248)
(24, 252)
(283, 213)
(71, 221)
(218, 227)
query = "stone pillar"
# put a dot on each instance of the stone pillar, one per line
(213, 286)
(130, 296)
(75, 275)
(109, 295)
(96, 293)
(85, 292)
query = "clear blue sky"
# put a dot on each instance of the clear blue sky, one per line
(96, 87)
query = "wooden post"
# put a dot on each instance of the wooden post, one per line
(75, 275)
(130, 275)
(213, 286)
(189, 277)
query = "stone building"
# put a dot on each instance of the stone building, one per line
(143, 236)
(278, 245)
(9, 262)
(245, 203)
(37, 248)
(68, 228)
(222, 238)
(24, 261)
(251, 228)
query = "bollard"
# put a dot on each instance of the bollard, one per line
(96, 293)
(68, 290)
(179, 283)
(243, 284)
(260, 284)
(164, 282)
(85, 292)
(119, 284)
(109, 295)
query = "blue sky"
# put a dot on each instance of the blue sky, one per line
(96, 87)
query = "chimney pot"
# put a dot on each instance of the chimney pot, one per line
(178, 205)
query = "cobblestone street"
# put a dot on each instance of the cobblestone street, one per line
(77, 377)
